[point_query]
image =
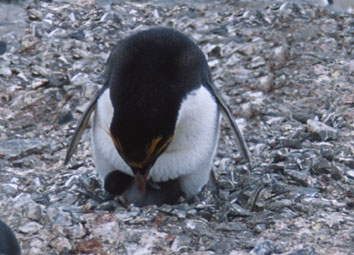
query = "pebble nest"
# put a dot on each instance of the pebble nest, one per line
(286, 69)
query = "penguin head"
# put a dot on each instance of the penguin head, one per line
(141, 138)
(149, 75)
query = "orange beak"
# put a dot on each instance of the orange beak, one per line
(140, 181)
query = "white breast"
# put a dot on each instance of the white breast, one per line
(105, 155)
(188, 157)
(191, 152)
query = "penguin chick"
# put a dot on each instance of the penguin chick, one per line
(8, 241)
(118, 183)
(156, 119)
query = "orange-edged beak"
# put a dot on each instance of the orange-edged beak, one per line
(140, 180)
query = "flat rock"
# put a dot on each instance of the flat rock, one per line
(263, 248)
(16, 148)
(30, 228)
(321, 131)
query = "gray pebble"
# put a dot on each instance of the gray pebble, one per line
(321, 131)
(21, 147)
(61, 244)
(30, 228)
(263, 248)
(305, 251)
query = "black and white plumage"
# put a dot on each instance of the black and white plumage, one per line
(156, 120)
(8, 242)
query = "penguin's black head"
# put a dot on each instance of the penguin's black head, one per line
(149, 75)
(140, 138)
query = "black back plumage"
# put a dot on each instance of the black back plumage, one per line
(149, 75)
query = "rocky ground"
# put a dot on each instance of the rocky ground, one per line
(286, 70)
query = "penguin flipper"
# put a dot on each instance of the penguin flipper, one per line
(225, 109)
(83, 122)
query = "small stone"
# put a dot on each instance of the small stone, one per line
(327, 152)
(79, 53)
(38, 82)
(237, 210)
(180, 214)
(8, 188)
(297, 176)
(308, 191)
(321, 131)
(129, 215)
(30, 228)
(61, 244)
(226, 184)
(221, 30)
(263, 248)
(58, 216)
(34, 212)
(347, 161)
(247, 49)
(259, 228)
(35, 14)
(336, 174)
(78, 35)
(65, 116)
(21, 147)
(238, 252)
(330, 26)
(279, 205)
(73, 180)
(223, 195)
(292, 143)
(192, 212)
(107, 206)
(231, 226)
(39, 70)
(321, 166)
(79, 79)
(5, 71)
(350, 174)
(305, 251)
(37, 246)
(265, 83)
(247, 110)
(76, 231)
(257, 61)
(21, 200)
(280, 53)
(166, 208)
(100, 231)
(90, 246)
(302, 116)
